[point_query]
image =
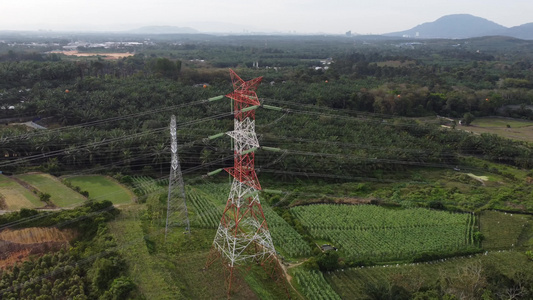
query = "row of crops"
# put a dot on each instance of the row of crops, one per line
(286, 239)
(144, 185)
(354, 283)
(207, 202)
(376, 233)
(314, 286)
(205, 209)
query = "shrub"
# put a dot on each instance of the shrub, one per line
(45, 197)
(328, 261)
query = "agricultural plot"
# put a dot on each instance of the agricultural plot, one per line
(202, 205)
(148, 189)
(102, 188)
(354, 283)
(16, 196)
(208, 201)
(286, 240)
(503, 230)
(144, 185)
(61, 195)
(368, 232)
(314, 286)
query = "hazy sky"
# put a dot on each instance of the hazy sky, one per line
(301, 16)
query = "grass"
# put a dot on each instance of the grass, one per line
(150, 275)
(501, 122)
(185, 257)
(16, 196)
(519, 130)
(61, 195)
(503, 230)
(486, 165)
(102, 188)
(173, 268)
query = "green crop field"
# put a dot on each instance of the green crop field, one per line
(102, 188)
(314, 286)
(16, 196)
(144, 185)
(286, 239)
(355, 283)
(61, 195)
(379, 234)
(207, 202)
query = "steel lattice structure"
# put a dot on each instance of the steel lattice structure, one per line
(177, 214)
(243, 233)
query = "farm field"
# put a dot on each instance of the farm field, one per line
(16, 196)
(207, 204)
(102, 188)
(504, 230)
(356, 283)
(286, 239)
(314, 285)
(368, 232)
(61, 195)
(519, 130)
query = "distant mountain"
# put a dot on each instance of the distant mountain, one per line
(524, 31)
(164, 30)
(454, 26)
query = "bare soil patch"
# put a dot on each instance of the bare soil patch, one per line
(18, 245)
(87, 54)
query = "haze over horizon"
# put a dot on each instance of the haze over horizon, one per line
(283, 16)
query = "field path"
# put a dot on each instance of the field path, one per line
(153, 280)
(289, 277)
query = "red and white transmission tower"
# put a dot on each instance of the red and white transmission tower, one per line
(243, 233)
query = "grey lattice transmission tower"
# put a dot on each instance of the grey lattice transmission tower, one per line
(177, 214)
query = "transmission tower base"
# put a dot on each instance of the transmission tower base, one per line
(271, 266)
